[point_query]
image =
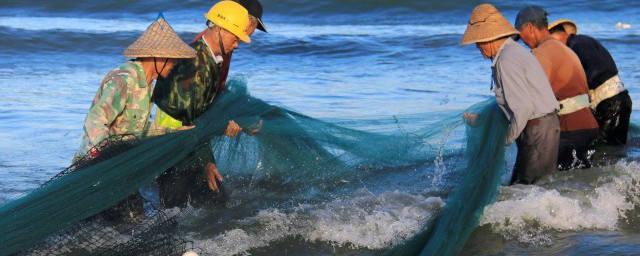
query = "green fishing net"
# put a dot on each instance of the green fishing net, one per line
(70, 213)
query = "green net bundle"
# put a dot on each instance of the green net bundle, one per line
(293, 151)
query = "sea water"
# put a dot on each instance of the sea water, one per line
(334, 60)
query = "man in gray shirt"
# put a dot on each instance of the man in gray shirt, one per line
(522, 91)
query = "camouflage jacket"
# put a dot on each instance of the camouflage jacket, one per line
(190, 87)
(122, 105)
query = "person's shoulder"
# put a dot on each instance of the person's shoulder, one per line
(552, 49)
(124, 75)
(581, 41)
(514, 54)
(584, 38)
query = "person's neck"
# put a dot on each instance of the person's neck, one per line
(149, 68)
(495, 46)
(541, 35)
(213, 41)
(563, 38)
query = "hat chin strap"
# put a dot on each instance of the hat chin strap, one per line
(220, 41)
(155, 66)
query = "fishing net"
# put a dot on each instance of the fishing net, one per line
(110, 205)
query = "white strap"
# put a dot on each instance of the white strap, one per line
(608, 89)
(573, 104)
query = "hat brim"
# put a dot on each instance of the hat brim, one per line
(569, 26)
(261, 26)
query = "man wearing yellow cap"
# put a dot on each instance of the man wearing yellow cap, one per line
(610, 101)
(122, 105)
(522, 91)
(187, 93)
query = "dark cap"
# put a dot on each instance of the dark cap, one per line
(255, 9)
(529, 14)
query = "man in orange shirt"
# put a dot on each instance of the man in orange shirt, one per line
(578, 126)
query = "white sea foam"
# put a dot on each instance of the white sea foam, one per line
(362, 221)
(528, 214)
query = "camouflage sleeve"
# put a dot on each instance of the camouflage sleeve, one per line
(173, 95)
(106, 108)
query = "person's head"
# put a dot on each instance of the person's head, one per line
(562, 28)
(229, 21)
(159, 45)
(532, 23)
(488, 29)
(255, 12)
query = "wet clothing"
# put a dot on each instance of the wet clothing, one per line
(186, 182)
(567, 79)
(523, 93)
(612, 114)
(576, 149)
(537, 140)
(121, 106)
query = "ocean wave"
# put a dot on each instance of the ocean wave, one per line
(364, 221)
(288, 30)
(86, 25)
(531, 214)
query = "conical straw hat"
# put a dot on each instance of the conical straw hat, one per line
(486, 24)
(569, 26)
(160, 41)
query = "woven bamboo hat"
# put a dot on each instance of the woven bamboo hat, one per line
(569, 26)
(486, 24)
(160, 40)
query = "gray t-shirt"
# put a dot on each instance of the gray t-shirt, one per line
(522, 88)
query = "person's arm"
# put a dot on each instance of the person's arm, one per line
(110, 105)
(516, 96)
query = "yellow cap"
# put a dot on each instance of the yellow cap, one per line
(232, 17)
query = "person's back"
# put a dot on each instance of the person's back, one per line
(567, 79)
(610, 101)
(595, 59)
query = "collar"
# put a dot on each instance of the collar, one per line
(506, 42)
(217, 58)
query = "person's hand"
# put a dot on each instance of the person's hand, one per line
(187, 127)
(470, 118)
(93, 153)
(256, 129)
(233, 129)
(212, 174)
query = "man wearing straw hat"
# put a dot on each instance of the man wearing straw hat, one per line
(122, 105)
(610, 101)
(187, 93)
(579, 128)
(522, 91)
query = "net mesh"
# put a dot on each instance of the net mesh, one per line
(108, 206)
